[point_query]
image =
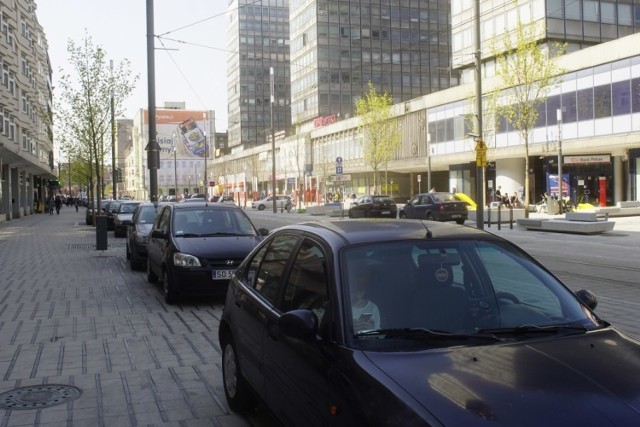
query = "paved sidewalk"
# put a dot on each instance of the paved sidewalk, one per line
(74, 316)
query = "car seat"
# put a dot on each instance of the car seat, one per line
(437, 304)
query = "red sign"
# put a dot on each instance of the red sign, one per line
(212, 183)
(324, 121)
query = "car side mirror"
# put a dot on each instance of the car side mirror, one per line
(158, 234)
(263, 231)
(299, 324)
(588, 297)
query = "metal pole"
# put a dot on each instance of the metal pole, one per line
(428, 160)
(175, 165)
(152, 148)
(205, 181)
(559, 117)
(273, 142)
(478, 94)
(113, 138)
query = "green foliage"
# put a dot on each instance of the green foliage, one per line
(83, 107)
(379, 129)
(527, 71)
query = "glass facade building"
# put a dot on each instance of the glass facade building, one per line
(403, 47)
(257, 39)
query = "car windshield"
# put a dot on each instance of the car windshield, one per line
(147, 215)
(204, 222)
(128, 207)
(454, 289)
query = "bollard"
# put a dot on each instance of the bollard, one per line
(489, 217)
(511, 217)
(499, 217)
(101, 232)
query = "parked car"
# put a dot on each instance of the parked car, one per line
(194, 199)
(353, 322)
(282, 202)
(122, 217)
(196, 247)
(138, 233)
(226, 199)
(369, 206)
(438, 206)
(110, 208)
(92, 205)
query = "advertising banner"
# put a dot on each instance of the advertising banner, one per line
(182, 129)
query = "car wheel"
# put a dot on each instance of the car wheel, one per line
(236, 388)
(260, 207)
(128, 252)
(430, 217)
(403, 215)
(351, 214)
(460, 221)
(168, 288)
(151, 276)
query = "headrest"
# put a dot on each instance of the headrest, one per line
(439, 259)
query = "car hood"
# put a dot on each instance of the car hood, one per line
(214, 246)
(586, 380)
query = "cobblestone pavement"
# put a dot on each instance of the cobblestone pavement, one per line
(74, 316)
(77, 317)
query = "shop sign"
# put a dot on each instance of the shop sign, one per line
(598, 158)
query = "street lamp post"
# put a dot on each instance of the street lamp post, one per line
(559, 117)
(428, 159)
(113, 138)
(480, 146)
(273, 142)
(175, 168)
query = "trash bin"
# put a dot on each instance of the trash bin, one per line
(101, 232)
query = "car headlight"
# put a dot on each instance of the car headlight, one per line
(142, 238)
(185, 260)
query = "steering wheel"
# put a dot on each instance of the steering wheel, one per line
(508, 296)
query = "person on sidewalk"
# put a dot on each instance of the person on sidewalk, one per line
(58, 203)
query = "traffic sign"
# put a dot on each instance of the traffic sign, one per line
(338, 178)
(339, 160)
(338, 170)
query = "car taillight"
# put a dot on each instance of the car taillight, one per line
(440, 207)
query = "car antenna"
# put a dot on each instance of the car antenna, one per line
(429, 233)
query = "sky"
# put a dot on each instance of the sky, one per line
(195, 73)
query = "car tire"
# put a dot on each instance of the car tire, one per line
(168, 289)
(460, 221)
(127, 251)
(351, 214)
(430, 217)
(403, 215)
(260, 207)
(151, 276)
(134, 262)
(236, 389)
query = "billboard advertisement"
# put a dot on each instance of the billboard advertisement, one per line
(182, 129)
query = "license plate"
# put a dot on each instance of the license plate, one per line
(386, 212)
(455, 216)
(221, 274)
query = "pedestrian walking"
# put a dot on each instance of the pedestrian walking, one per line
(58, 204)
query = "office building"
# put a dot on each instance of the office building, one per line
(26, 144)
(258, 41)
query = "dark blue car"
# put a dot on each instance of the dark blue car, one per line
(196, 247)
(418, 323)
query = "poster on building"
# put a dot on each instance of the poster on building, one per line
(552, 185)
(182, 130)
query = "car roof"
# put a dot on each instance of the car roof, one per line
(201, 204)
(358, 231)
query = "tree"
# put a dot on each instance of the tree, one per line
(527, 69)
(379, 130)
(83, 116)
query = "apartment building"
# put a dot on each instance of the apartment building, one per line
(26, 138)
